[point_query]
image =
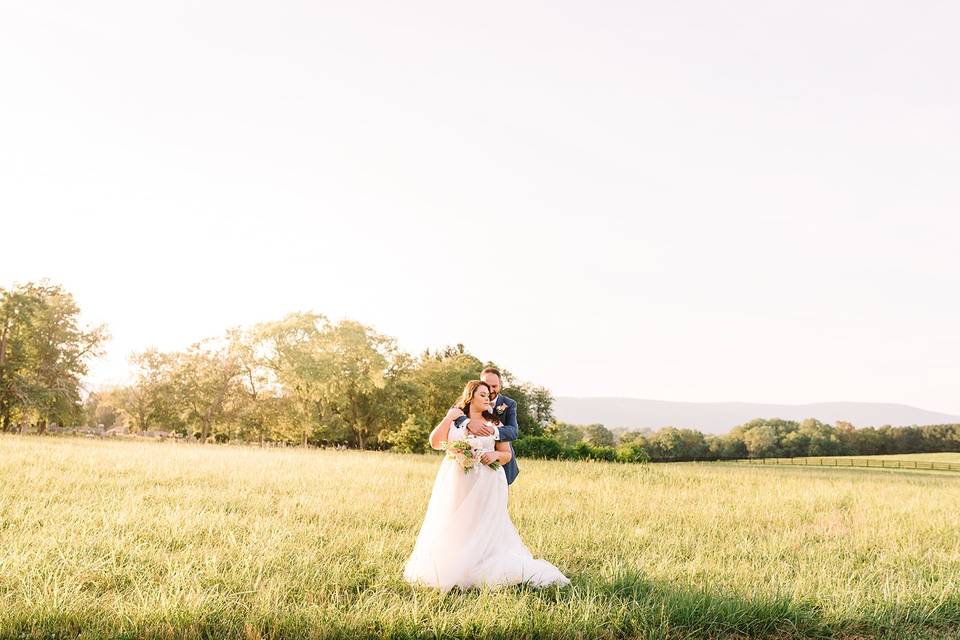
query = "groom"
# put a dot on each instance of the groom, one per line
(506, 410)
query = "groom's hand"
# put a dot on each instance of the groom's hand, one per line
(478, 428)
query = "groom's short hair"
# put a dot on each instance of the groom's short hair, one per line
(493, 370)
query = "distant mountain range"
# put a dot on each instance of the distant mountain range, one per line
(720, 417)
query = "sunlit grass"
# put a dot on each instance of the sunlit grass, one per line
(125, 539)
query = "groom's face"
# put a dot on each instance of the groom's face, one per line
(493, 381)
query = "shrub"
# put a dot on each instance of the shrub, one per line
(412, 436)
(632, 452)
(608, 454)
(579, 451)
(586, 451)
(537, 447)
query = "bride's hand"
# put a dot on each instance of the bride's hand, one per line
(489, 456)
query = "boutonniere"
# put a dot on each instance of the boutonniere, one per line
(501, 408)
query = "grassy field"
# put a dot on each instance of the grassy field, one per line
(110, 539)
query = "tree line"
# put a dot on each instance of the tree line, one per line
(760, 438)
(301, 379)
(305, 380)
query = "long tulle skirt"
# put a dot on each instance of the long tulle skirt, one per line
(467, 538)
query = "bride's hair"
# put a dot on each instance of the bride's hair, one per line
(463, 403)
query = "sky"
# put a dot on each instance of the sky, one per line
(690, 201)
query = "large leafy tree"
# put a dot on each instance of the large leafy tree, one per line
(563, 432)
(259, 402)
(360, 358)
(437, 379)
(206, 376)
(293, 350)
(419, 391)
(18, 309)
(154, 400)
(43, 355)
(598, 435)
(337, 374)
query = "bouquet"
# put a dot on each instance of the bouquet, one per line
(465, 454)
(462, 453)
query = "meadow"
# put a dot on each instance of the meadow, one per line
(115, 539)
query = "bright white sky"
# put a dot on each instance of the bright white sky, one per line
(692, 201)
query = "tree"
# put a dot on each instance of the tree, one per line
(430, 385)
(527, 421)
(634, 435)
(761, 441)
(693, 444)
(258, 408)
(541, 405)
(18, 309)
(337, 374)
(204, 376)
(847, 435)
(565, 433)
(632, 452)
(411, 437)
(666, 444)
(598, 435)
(726, 447)
(360, 358)
(821, 439)
(154, 399)
(293, 350)
(105, 407)
(43, 355)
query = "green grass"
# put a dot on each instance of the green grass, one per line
(111, 539)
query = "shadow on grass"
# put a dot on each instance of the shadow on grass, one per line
(627, 606)
(638, 607)
(656, 608)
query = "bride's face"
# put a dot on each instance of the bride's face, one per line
(481, 398)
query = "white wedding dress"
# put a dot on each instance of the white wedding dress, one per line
(467, 538)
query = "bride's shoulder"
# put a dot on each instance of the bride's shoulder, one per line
(457, 430)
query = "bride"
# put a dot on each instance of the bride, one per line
(467, 538)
